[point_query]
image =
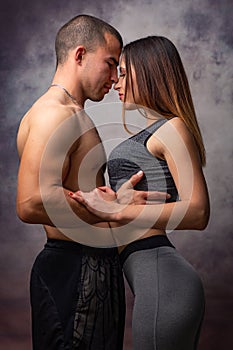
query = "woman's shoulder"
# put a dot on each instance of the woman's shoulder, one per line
(177, 122)
(179, 126)
(174, 132)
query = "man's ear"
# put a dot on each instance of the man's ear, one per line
(79, 53)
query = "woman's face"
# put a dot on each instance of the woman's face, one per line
(127, 97)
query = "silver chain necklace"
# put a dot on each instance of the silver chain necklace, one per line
(67, 93)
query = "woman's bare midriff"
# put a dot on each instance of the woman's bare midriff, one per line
(149, 233)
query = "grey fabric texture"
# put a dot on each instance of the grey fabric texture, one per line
(169, 300)
(132, 155)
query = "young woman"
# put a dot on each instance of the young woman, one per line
(169, 297)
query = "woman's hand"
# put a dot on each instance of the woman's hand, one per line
(101, 201)
(106, 204)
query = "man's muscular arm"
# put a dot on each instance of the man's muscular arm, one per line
(45, 160)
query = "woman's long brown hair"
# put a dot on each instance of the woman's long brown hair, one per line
(162, 82)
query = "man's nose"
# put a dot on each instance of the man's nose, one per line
(114, 77)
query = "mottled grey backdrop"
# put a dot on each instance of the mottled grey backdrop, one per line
(202, 31)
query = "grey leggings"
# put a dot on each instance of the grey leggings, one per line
(169, 298)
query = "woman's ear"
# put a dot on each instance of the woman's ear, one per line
(79, 53)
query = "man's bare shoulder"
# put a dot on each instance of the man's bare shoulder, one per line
(45, 116)
(47, 110)
(48, 117)
(47, 113)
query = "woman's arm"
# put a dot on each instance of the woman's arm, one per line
(175, 144)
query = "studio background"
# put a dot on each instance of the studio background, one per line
(202, 31)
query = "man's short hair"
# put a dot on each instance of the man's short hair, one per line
(83, 30)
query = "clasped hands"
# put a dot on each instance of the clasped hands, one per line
(106, 204)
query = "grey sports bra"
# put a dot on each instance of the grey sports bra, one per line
(132, 155)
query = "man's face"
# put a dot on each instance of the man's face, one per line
(100, 69)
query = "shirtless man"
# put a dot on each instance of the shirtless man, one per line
(77, 293)
(77, 290)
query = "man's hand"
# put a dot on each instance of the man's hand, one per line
(105, 192)
(127, 195)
